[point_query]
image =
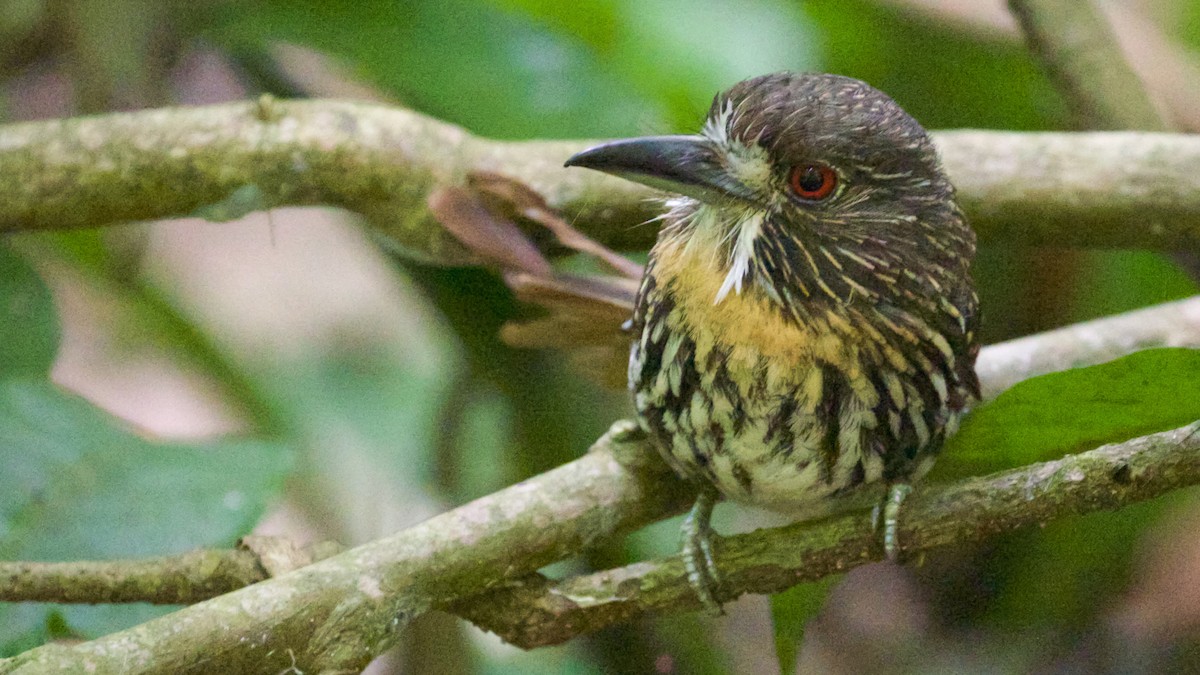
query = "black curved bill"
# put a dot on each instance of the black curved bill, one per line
(688, 165)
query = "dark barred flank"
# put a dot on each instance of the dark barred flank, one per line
(807, 323)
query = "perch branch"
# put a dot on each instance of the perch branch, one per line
(199, 575)
(535, 611)
(340, 612)
(1114, 189)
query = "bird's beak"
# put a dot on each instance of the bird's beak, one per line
(687, 165)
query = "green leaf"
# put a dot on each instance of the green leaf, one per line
(538, 68)
(791, 611)
(1053, 415)
(28, 323)
(76, 485)
(679, 53)
(491, 70)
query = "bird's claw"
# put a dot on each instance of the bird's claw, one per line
(890, 512)
(698, 557)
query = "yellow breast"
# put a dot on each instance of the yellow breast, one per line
(747, 320)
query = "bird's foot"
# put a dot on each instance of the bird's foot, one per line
(885, 517)
(698, 553)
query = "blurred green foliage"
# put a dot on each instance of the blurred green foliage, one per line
(791, 611)
(29, 332)
(459, 415)
(1046, 417)
(77, 484)
(526, 68)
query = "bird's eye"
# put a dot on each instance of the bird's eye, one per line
(813, 182)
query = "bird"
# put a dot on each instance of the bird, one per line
(807, 326)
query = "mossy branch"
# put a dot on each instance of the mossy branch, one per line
(342, 611)
(1113, 189)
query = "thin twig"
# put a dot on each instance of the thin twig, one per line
(169, 580)
(186, 578)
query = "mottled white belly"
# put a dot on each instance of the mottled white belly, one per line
(757, 433)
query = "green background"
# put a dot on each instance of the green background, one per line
(435, 411)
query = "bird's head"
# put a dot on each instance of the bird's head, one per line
(813, 189)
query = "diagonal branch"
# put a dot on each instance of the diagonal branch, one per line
(1074, 42)
(340, 612)
(535, 612)
(1076, 46)
(1115, 189)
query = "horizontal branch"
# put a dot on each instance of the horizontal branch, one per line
(181, 579)
(169, 580)
(535, 611)
(1109, 189)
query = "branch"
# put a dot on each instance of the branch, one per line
(168, 580)
(1075, 43)
(341, 611)
(1171, 324)
(1091, 190)
(1077, 47)
(171, 580)
(338, 614)
(536, 612)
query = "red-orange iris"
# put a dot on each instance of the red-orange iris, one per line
(812, 181)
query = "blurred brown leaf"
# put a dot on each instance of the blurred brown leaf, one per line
(584, 315)
(527, 203)
(496, 238)
(586, 319)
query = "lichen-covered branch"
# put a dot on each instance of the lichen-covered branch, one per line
(536, 611)
(340, 612)
(1111, 189)
(167, 580)
(172, 580)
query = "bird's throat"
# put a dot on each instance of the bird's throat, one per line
(746, 318)
(740, 256)
(718, 239)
